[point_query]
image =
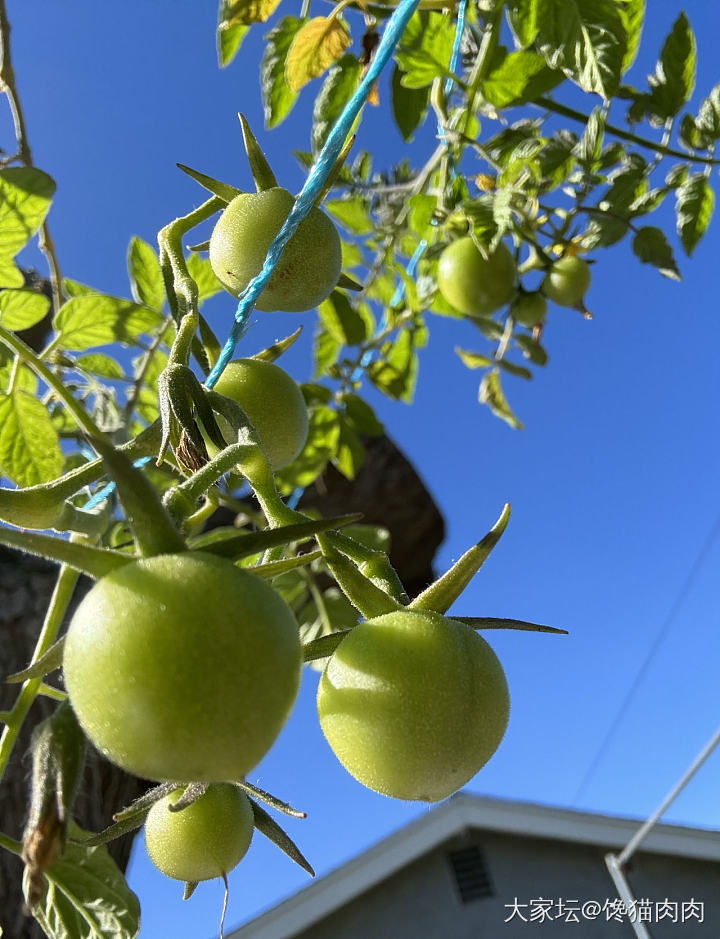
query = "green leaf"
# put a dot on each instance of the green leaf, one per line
(409, 105)
(320, 448)
(708, 119)
(633, 12)
(341, 319)
(350, 452)
(695, 201)
(474, 359)
(395, 373)
(201, 271)
(97, 363)
(73, 288)
(426, 49)
(273, 352)
(277, 97)
(145, 275)
(651, 246)
(10, 273)
(674, 78)
(521, 78)
(25, 196)
(87, 897)
(523, 18)
(229, 40)
(20, 309)
(586, 39)
(339, 86)
(491, 393)
(317, 44)
(531, 349)
(589, 148)
(270, 828)
(326, 351)
(29, 447)
(98, 320)
(352, 213)
(361, 414)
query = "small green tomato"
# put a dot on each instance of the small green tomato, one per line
(567, 281)
(413, 704)
(273, 403)
(206, 839)
(309, 267)
(474, 285)
(529, 309)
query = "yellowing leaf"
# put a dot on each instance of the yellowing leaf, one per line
(246, 12)
(316, 46)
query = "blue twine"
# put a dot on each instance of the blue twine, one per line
(315, 180)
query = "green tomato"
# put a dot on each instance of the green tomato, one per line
(206, 839)
(529, 309)
(273, 403)
(474, 285)
(413, 704)
(567, 281)
(183, 667)
(309, 267)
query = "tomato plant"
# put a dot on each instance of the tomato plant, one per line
(567, 281)
(473, 284)
(413, 704)
(206, 839)
(310, 264)
(273, 403)
(182, 667)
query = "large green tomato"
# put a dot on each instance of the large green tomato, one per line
(274, 404)
(413, 704)
(206, 839)
(309, 267)
(183, 667)
(474, 285)
(567, 281)
(529, 309)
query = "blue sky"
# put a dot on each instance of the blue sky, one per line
(613, 482)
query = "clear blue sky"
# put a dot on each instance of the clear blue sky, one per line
(613, 483)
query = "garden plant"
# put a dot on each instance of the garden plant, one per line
(127, 429)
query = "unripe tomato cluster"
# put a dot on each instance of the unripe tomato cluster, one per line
(478, 284)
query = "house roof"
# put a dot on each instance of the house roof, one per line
(457, 814)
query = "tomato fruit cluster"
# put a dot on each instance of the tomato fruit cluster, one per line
(413, 704)
(308, 268)
(473, 284)
(183, 667)
(273, 403)
(206, 839)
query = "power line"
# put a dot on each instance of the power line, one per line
(642, 671)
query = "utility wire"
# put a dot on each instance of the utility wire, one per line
(642, 671)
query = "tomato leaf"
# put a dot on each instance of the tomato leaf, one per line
(341, 319)
(674, 78)
(146, 280)
(519, 79)
(350, 452)
(409, 105)
(633, 12)
(319, 43)
(352, 213)
(586, 39)
(229, 40)
(20, 309)
(202, 273)
(695, 201)
(651, 246)
(87, 897)
(29, 446)
(491, 393)
(278, 98)
(426, 49)
(362, 415)
(98, 320)
(326, 351)
(274, 351)
(339, 86)
(25, 196)
(320, 448)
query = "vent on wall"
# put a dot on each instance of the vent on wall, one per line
(471, 874)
